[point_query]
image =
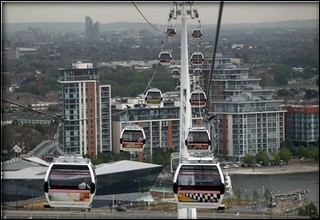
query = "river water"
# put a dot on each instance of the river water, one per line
(279, 183)
(276, 183)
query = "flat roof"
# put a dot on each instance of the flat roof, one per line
(37, 168)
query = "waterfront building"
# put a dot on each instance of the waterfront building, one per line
(250, 119)
(302, 124)
(85, 110)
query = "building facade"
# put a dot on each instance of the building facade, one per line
(84, 109)
(250, 119)
(302, 124)
(105, 126)
(161, 124)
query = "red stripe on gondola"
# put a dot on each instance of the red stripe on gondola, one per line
(70, 190)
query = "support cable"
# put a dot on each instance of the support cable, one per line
(213, 58)
(146, 18)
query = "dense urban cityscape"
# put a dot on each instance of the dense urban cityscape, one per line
(74, 90)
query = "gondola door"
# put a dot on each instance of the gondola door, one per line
(199, 185)
(70, 183)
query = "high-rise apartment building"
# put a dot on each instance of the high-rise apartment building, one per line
(250, 119)
(88, 27)
(84, 106)
(92, 31)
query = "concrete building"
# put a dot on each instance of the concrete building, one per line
(84, 106)
(302, 124)
(250, 119)
(161, 124)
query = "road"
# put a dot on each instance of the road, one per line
(129, 214)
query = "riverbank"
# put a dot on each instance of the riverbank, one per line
(294, 166)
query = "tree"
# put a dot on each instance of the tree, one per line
(40, 128)
(262, 156)
(247, 197)
(308, 210)
(255, 196)
(311, 93)
(301, 151)
(130, 83)
(285, 155)
(281, 74)
(267, 195)
(308, 73)
(287, 144)
(248, 159)
(275, 157)
(313, 152)
(8, 134)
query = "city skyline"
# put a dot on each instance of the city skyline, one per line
(155, 12)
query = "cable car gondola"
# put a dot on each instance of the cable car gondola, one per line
(165, 58)
(175, 73)
(198, 139)
(70, 181)
(197, 34)
(153, 96)
(199, 185)
(197, 72)
(170, 32)
(132, 138)
(198, 98)
(197, 58)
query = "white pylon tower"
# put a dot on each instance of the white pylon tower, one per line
(185, 106)
(185, 10)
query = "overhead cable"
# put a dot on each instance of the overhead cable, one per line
(213, 57)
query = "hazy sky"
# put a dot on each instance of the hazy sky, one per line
(156, 12)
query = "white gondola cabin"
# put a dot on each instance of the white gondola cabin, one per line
(198, 140)
(175, 73)
(197, 58)
(70, 181)
(198, 98)
(197, 72)
(132, 138)
(165, 58)
(199, 185)
(153, 96)
(197, 34)
(171, 32)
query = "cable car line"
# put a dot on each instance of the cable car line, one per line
(162, 53)
(213, 57)
(146, 18)
(198, 180)
(57, 116)
(197, 96)
(26, 107)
